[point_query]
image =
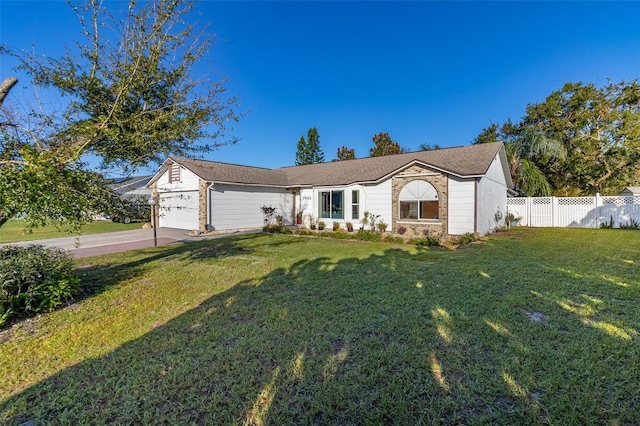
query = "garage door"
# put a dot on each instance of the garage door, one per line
(179, 210)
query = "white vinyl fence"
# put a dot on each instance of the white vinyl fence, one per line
(575, 212)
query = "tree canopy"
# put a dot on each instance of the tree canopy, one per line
(345, 153)
(308, 150)
(129, 99)
(384, 145)
(581, 139)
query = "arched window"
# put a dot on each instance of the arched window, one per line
(419, 200)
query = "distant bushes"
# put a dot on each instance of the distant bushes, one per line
(34, 279)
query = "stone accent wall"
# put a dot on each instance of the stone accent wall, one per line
(439, 182)
(202, 205)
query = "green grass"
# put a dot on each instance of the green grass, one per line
(530, 327)
(14, 230)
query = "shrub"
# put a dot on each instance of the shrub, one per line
(632, 224)
(392, 239)
(466, 239)
(382, 227)
(607, 225)
(425, 242)
(34, 279)
(368, 236)
(401, 230)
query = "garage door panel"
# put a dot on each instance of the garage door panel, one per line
(179, 210)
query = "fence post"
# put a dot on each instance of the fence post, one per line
(596, 223)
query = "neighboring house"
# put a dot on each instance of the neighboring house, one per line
(447, 191)
(631, 191)
(133, 187)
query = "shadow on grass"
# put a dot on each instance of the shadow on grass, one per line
(379, 340)
(113, 269)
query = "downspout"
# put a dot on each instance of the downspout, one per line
(208, 224)
(475, 203)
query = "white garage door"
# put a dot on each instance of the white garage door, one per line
(238, 208)
(179, 210)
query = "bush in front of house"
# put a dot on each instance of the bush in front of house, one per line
(34, 279)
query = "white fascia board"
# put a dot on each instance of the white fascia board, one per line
(157, 174)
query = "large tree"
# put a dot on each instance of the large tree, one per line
(131, 96)
(600, 130)
(384, 145)
(580, 140)
(308, 150)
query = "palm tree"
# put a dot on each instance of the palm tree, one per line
(525, 152)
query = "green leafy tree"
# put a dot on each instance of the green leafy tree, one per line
(308, 150)
(384, 145)
(580, 140)
(131, 99)
(345, 153)
(600, 130)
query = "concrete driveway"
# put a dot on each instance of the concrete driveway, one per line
(114, 242)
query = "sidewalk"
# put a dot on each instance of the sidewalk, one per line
(115, 242)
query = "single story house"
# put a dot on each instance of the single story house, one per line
(449, 191)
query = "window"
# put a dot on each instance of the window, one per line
(355, 204)
(419, 200)
(331, 204)
(174, 173)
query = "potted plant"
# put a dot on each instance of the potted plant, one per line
(349, 226)
(312, 225)
(511, 219)
(279, 220)
(299, 218)
(321, 225)
(382, 227)
(365, 220)
(336, 226)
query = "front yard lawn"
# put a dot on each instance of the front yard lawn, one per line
(530, 327)
(13, 230)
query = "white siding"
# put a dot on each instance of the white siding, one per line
(375, 199)
(306, 203)
(492, 199)
(461, 205)
(179, 210)
(378, 200)
(238, 207)
(188, 181)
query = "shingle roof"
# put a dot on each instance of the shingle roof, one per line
(212, 171)
(467, 161)
(471, 160)
(130, 184)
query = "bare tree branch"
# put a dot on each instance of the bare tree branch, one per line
(6, 86)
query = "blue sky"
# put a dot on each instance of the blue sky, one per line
(425, 72)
